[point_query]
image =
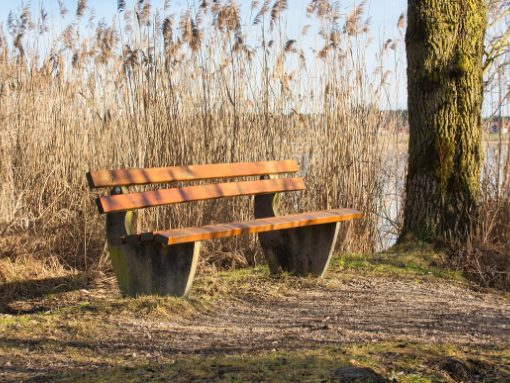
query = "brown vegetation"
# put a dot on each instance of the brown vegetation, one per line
(153, 89)
(162, 90)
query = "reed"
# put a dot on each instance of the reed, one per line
(204, 86)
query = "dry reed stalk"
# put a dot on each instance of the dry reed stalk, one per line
(197, 88)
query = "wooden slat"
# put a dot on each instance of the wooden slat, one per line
(172, 237)
(123, 202)
(237, 228)
(125, 177)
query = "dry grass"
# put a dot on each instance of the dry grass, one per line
(153, 89)
(485, 257)
(203, 86)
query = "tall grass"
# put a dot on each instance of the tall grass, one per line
(203, 86)
(153, 89)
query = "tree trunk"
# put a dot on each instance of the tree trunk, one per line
(444, 42)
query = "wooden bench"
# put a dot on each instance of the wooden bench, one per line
(164, 262)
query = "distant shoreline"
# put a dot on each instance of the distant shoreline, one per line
(403, 140)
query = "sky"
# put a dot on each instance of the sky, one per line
(384, 15)
(381, 11)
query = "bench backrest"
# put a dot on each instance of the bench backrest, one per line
(127, 177)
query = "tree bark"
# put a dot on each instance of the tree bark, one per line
(444, 43)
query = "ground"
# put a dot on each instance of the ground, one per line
(383, 317)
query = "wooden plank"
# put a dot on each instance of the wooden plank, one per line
(254, 226)
(125, 177)
(135, 238)
(123, 202)
(172, 237)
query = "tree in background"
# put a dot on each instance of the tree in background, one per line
(445, 50)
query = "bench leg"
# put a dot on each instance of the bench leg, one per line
(149, 267)
(302, 250)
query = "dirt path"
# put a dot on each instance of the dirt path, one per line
(251, 313)
(360, 311)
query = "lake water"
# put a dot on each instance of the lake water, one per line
(495, 178)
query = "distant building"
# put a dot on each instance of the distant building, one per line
(495, 125)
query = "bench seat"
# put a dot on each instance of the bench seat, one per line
(192, 234)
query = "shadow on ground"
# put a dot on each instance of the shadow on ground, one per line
(21, 297)
(300, 366)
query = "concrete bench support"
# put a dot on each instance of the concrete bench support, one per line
(302, 251)
(150, 267)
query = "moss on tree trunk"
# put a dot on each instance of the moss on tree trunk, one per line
(444, 42)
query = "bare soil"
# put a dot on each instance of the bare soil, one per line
(361, 310)
(249, 312)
